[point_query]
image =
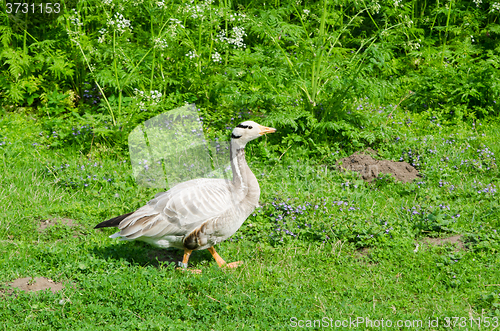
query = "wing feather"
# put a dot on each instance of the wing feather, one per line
(179, 210)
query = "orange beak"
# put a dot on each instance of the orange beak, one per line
(265, 129)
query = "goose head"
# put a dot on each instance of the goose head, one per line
(248, 131)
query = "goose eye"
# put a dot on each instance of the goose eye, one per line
(250, 127)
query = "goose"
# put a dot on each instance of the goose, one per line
(199, 213)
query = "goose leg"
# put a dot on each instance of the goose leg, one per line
(221, 262)
(185, 259)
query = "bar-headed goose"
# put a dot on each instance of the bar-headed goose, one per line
(199, 213)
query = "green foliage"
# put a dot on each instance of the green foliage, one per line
(33, 63)
(306, 67)
(465, 89)
(490, 301)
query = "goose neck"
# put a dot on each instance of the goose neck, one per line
(244, 181)
(238, 165)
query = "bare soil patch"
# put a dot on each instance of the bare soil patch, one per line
(44, 224)
(363, 256)
(29, 284)
(442, 241)
(369, 168)
(365, 251)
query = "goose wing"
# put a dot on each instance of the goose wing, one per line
(179, 210)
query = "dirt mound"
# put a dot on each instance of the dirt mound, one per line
(370, 168)
(29, 284)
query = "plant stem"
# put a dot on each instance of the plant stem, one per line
(116, 75)
(446, 31)
(154, 56)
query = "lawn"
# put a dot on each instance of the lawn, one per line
(413, 83)
(316, 250)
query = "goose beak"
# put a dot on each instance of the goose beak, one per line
(265, 129)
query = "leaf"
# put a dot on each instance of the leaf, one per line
(5, 35)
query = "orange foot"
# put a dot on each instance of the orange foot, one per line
(183, 265)
(233, 265)
(223, 263)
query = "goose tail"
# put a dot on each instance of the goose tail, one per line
(113, 222)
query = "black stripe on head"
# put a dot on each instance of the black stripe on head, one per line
(234, 137)
(242, 126)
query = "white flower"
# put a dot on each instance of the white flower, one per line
(191, 54)
(102, 37)
(153, 98)
(237, 35)
(108, 2)
(175, 21)
(74, 18)
(138, 92)
(477, 2)
(414, 45)
(156, 95)
(216, 57)
(174, 25)
(160, 4)
(160, 43)
(120, 22)
(495, 7)
(198, 10)
(306, 13)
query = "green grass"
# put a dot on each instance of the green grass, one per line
(353, 269)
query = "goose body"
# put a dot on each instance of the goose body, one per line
(199, 213)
